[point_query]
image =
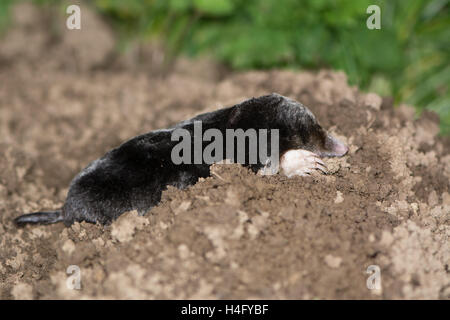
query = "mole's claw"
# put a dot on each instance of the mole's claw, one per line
(321, 167)
(318, 160)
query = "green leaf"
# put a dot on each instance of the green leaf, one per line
(180, 5)
(214, 7)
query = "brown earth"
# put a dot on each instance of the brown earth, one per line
(65, 100)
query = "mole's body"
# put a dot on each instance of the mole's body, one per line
(133, 175)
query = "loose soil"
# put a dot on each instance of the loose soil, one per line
(66, 98)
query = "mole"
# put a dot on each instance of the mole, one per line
(133, 175)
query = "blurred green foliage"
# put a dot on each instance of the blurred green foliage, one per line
(4, 13)
(407, 59)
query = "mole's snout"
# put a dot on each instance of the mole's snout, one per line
(333, 148)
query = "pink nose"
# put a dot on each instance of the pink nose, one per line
(334, 148)
(339, 148)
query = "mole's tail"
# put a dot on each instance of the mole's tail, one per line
(47, 217)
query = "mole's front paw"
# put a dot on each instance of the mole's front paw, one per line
(301, 163)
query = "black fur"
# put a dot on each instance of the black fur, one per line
(133, 175)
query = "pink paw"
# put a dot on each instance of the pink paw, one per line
(301, 163)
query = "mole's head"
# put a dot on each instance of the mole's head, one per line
(324, 144)
(304, 131)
